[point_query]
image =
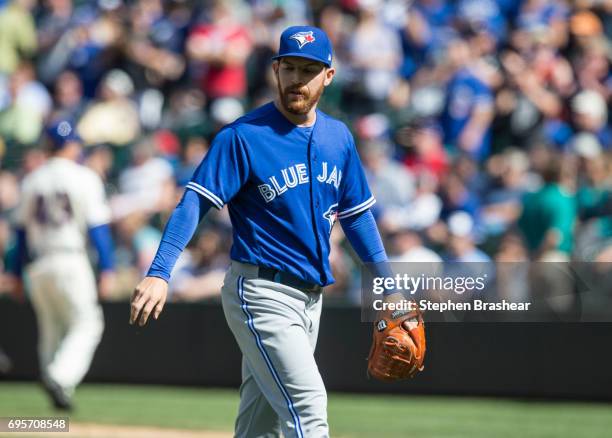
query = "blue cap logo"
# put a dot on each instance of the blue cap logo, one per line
(61, 132)
(64, 129)
(312, 43)
(303, 38)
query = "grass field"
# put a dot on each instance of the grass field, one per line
(350, 415)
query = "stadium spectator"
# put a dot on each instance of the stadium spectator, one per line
(154, 50)
(99, 158)
(512, 269)
(468, 111)
(17, 34)
(194, 151)
(29, 103)
(461, 244)
(593, 198)
(146, 185)
(463, 259)
(426, 30)
(374, 53)
(457, 196)
(590, 114)
(593, 67)
(391, 183)
(222, 45)
(408, 247)
(420, 212)
(200, 271)
(113, 118)
(139, 240)
(425, 151)
(549, 215)
(90, 43)
(223, 111)
(68, 99)
(54, 19)
(345, 268)
(502, 202)
(185, 113)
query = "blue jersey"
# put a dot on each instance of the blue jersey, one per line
(464, 92)
(285, 186)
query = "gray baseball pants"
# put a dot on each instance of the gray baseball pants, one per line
(276, 327)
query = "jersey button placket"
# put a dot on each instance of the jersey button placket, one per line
(313, 156)
(314, 193)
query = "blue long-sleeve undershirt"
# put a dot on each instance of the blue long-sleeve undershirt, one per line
(362, 232)
(102, 240)
(21, 252)
(178, 232)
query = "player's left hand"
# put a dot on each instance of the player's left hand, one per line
(148, 297)
(398, 345)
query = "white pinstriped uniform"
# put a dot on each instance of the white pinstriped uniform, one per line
(60, 201)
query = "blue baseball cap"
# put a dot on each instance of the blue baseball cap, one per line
(305, 42)
(61, 132)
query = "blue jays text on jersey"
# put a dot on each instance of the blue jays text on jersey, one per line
(294, 175)
(285, 186)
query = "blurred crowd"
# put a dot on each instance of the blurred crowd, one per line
(484, 125)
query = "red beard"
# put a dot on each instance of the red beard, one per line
(297, 100)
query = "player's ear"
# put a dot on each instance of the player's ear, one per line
(275, 65)
(329, 75)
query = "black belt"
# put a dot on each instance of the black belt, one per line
(288, 279)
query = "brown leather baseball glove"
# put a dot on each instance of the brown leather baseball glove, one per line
(398, 345)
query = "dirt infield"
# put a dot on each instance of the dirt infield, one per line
(93, 430)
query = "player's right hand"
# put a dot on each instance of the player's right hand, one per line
(148, 297)
(106, 284)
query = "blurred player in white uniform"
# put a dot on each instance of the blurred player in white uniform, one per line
(62, 204)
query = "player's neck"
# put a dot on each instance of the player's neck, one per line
(301, 120)
(69, 153)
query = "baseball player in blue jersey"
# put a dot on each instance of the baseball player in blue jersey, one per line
(287, 172)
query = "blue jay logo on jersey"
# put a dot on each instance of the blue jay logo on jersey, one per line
(303, 38)
(331, 215)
